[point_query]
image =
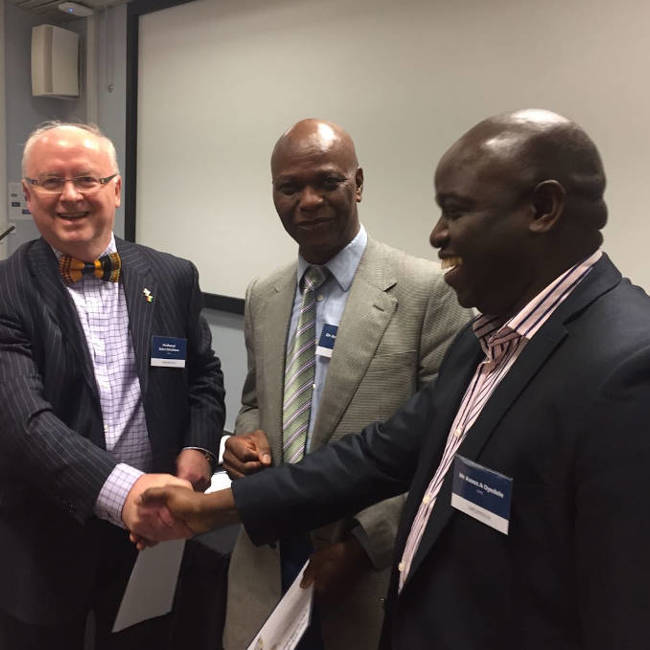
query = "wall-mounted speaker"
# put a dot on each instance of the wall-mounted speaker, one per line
(55, 62)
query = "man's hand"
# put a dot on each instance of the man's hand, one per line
(155, 523)
(335, 568)
(196, 512)
(193, 466)
(246, 454)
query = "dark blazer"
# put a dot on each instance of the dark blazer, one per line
(52, 457)
(569, 425)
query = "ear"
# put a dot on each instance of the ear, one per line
(548, 205)
(358, 178)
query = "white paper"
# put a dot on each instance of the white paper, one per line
(152, 585)
(288, 621)
(219, 481)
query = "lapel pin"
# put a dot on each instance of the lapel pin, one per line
(147, 295)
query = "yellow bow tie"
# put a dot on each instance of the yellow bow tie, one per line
(107, 267)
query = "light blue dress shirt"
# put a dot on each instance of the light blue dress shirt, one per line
(331, 299)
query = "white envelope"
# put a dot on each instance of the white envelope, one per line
(288, 621)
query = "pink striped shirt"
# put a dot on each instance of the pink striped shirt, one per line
(502, 343)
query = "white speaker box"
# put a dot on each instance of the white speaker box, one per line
(55, 62)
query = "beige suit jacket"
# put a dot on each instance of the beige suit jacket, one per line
(399, 319)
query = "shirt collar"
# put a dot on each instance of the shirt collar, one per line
(491, 330)
(344, 264)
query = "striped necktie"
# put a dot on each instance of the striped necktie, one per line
(107, 267)
(299, 370)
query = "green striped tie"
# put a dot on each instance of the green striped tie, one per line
(299, 370)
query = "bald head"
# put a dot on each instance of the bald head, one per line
(317, 183)
(312, 137)
(522, 201)
(531, 146)
(55, 129)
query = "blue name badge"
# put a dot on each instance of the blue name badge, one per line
(168, 352)
(327, 340)
(481, 493)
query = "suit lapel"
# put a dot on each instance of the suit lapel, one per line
(368, 311)
(448, 395)
(53, 292)
(137, 276)
(276, 315)
(602, 278)
(525, 368)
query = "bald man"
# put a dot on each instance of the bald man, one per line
(526, 526)
(89, 402)
(391, 317)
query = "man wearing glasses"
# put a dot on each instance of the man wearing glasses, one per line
(92, 401)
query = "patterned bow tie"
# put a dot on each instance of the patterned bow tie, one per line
(107, 267)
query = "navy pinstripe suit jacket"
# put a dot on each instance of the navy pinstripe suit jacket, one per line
(52, 457)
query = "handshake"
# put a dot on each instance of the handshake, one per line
(160, 507)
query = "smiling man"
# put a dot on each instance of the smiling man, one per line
(382, 321)
(86, 410)
(523, 528)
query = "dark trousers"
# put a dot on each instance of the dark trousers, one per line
(294, 552)
(16, 635)
(115, 561)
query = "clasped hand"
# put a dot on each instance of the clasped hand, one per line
(246, 454)
(152, 523)
(172, 510)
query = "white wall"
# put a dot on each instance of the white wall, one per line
(221, 79)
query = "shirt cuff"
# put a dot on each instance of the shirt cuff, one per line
(212, 459)
(113, 494)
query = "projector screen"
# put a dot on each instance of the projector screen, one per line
(218, 81)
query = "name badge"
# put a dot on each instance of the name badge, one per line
(168, 352)
(481, 493)
(327, 340)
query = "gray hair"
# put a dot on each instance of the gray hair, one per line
(44, 127)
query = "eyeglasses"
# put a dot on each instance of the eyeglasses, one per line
(83, 184)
